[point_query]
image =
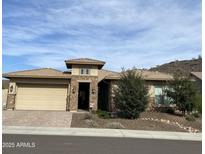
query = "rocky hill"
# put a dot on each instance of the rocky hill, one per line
(186, 66)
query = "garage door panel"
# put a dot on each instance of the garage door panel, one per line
(41, 97)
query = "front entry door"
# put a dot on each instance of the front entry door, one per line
(83, 96)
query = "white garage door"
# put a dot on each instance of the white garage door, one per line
(41, 97)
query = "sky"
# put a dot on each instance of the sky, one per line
(123, 33)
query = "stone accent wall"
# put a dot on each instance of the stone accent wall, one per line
(151, 95)
(10, 101)
(68, 97)
(93, 98)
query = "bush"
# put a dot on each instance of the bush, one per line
(198, 102)
(190, 118)
(115, 125)
(103, 114)
(195, 114)
(181, 92)
(169, 110)
(130, 95)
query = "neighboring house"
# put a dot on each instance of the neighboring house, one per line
(197, 76)
(85, 85)
(5, 85)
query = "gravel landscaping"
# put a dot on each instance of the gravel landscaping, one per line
(147, 121)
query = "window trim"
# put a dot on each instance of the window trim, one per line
(84, 71)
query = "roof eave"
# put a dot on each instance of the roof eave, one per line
(146, 79)
(43, 77)
(69, 64)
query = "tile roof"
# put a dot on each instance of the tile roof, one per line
(197, 74)
(38, 73)
(146, 75)
(106, 74)
(84, 61)
(103, 74)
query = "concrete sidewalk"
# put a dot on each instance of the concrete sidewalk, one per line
(102, 133)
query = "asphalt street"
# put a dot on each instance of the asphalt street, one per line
(40, 144)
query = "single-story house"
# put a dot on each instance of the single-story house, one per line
(84, 85)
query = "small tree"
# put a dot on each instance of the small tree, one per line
(181, 92)
(130, 94)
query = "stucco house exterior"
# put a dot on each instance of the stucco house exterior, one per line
(84, 85)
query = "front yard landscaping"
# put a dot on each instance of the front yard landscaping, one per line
(131, 100)
(155, 121)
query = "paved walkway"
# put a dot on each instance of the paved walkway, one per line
(102, 133)
(37, 118)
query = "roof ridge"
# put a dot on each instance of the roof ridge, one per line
(84, 59)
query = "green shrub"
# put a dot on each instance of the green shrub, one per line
(181, 92)
(103, 114)
(198, 102)
(190, 118)
(195, 114)
(131, 95)
(170, 110)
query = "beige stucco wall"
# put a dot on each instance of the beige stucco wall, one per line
(93, 69)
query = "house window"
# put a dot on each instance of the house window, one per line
(160, 96)
(84, 71)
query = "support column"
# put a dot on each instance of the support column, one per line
(74, 95)
(10, 103)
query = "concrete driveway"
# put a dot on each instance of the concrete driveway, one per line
(37, 118)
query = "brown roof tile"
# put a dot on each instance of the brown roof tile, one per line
(197, 74)
(84, 61)
(146, 75)
(106, 74)
(38, 73)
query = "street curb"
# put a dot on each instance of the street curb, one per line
(92, 132)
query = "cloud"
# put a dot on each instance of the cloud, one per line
(122, 33)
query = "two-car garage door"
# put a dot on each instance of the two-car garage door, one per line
(41, 97)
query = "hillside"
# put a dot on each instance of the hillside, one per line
(186, 66)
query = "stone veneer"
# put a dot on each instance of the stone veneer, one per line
(93, 94)
(10, 104)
